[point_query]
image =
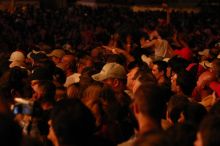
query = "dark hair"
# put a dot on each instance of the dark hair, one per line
(10, 132)
(181, 134)
(210, 131)
(177, 64)
(162, 66)
(194, 113)
(186, 82)
(175, 106)
(72, 122)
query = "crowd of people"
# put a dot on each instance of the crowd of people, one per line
(109, 76)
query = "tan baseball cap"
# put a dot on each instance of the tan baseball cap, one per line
(110, 70)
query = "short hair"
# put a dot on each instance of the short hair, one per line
(148, 98)
(210, 130)
(186, 82)
(177, 64)
(194, 113)
(161, 65)
(72, 121)
(175, 106)
(183, 134)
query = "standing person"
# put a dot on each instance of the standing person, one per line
(148, 109)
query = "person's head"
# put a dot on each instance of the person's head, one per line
(131, 77)
(159, 69)
(68, 62)
(17, 58)
(176, 64)
(182, 134)
(194, 113)
(148, 104)
(175, 108)
(45, 92)
(113, 75)
(209, 132)
(203, 81)
(182, 83)
(73, 91)
(72, 123)
(85, 61)
(143, 38)
(91, 98)
(56, 55)
(85, 77)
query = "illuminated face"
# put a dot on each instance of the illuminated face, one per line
(174, 84)
(198, 141)
(157, 74)
(130, 78)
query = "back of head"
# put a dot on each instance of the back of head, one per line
(181, 134)
(210, 130)
(72, 122)
(194, 113)
(148, 99)
(186, 82)
(176, 106)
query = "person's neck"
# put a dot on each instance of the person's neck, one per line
(146, 125)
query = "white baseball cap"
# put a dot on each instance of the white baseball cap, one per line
(17, 56)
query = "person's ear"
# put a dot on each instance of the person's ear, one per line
(115, 82)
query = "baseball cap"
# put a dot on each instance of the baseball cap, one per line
(59, 53)
(110, 70)
(17, 56)
(205, 52)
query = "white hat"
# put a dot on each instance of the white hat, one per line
(147, 60)
(206, 64)
(110, 70)
(17, 56)
(205, 52)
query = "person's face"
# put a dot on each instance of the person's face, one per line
(198, 141)
(34, 85)
(130, 78)
(157, 74)
(56, 60)
(169, 72)
(173, 83)
(108, 82)
(142, 41)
